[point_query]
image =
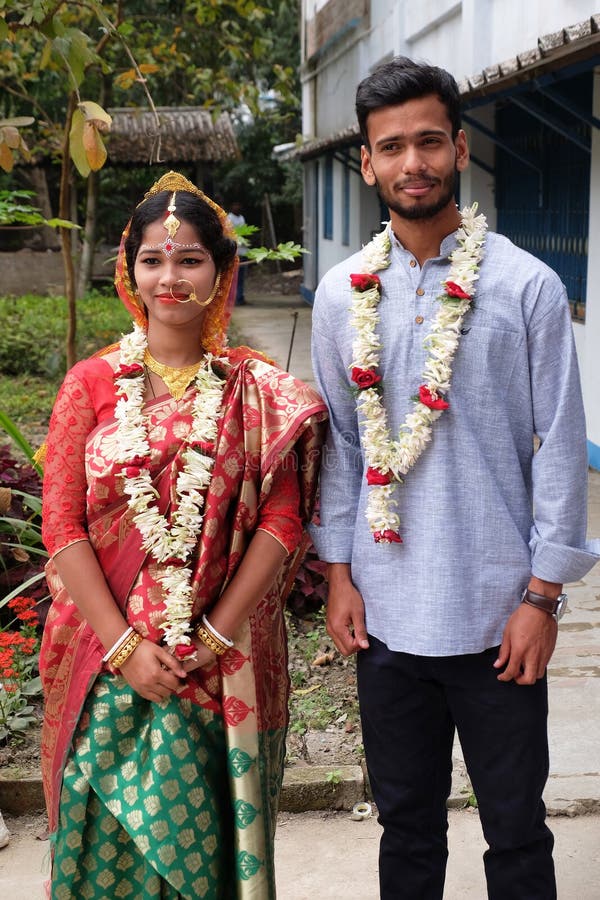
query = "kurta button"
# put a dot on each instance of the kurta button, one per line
(412, 263)
(420, 292)
(419, 320)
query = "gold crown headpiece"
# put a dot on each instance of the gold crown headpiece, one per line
(174, 181)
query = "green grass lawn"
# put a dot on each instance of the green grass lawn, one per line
(32, 350)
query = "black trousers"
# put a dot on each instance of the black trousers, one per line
(410, 707)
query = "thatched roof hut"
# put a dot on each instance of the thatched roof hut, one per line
(187, 134)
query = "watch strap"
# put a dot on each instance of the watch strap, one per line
(540, 601)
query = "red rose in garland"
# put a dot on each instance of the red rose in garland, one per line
(364, 378)
(362, 281)
(184, 651)
(129, 371)
(455, 290)
(387, 537)
(374, 476)
(427, 399)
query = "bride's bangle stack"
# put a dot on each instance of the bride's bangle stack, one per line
(212, 639)
(123, 648)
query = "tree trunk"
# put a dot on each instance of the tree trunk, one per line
(37, 179)
(86, 262)
(65, 237)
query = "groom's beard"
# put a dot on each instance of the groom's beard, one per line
(413, 209)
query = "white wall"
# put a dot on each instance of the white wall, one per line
(432, 32)
(529, 20)
(334, 100)
(486, 31)
(588, 343)
(476, 184)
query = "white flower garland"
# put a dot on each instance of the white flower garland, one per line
(389, 459)
(169, 543)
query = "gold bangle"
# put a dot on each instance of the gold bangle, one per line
(216, 634)
(124, 652)
(214, 645)
(118, 643)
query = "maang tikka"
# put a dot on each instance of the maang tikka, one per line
(172, 223)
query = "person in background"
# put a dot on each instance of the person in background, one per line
(179, 474)
(448, 539)
(236, 218)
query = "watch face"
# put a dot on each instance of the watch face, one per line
(561, 607)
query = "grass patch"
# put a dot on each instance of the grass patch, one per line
(32, 349)
(33, 330)
(314, 710)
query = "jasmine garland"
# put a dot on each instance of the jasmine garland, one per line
(388, 459)
(169, 542)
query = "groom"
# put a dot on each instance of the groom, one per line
(448, 540)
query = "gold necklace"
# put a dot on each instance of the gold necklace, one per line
(177, 380)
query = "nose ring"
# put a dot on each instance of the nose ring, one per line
(191, 297)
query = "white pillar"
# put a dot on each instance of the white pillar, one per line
(589, 341)
(476, 184)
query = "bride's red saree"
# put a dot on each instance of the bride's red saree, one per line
(270, 432)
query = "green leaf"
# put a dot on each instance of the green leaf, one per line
(79, 55)
(30, 501)
(289, 250)
(244, 230)
(21, 724)
(19, 122)
(3, 29)
(48, 28)
(126, 29)
(258, 254)
(60, 45)
(61, 223)
(15, 523)
(21, 588)
(37, 551)
(20, 440)
(94, 112)
(58, 26)
(33, 687)
(76, 148)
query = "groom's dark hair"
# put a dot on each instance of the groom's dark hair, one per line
(400, 80)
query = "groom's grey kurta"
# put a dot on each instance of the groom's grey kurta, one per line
(479, 511)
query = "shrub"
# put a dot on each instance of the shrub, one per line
(33, 328)
(19, 654)
(34, 345)
(22, 554)
(309, 591)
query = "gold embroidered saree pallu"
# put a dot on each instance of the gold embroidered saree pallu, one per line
(269, 419)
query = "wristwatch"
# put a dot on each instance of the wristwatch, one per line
(556, 608)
